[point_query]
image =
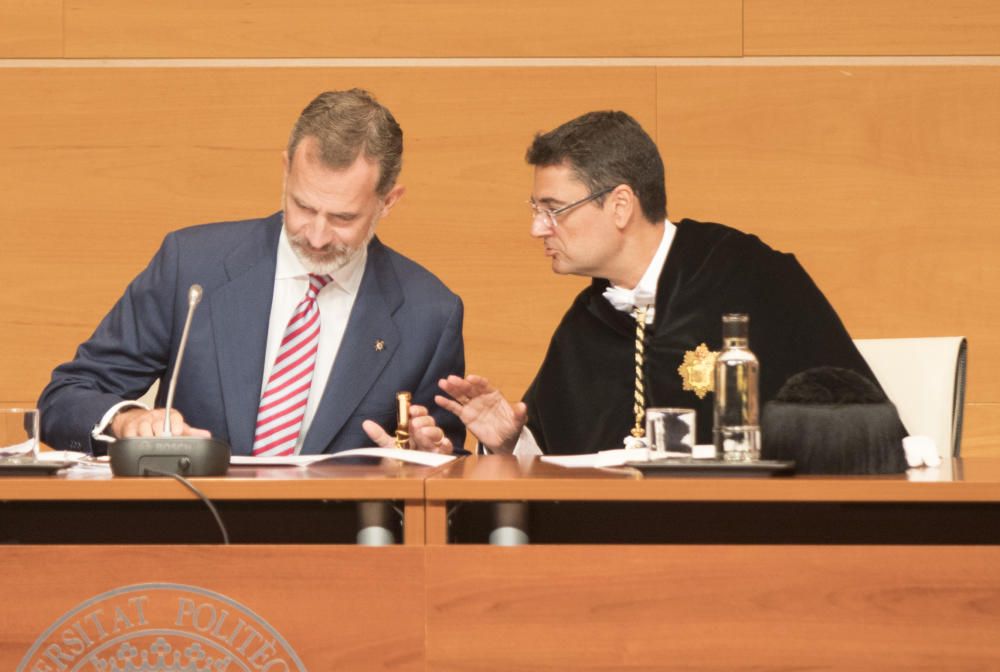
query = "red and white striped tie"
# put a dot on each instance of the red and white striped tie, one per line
(283, 404)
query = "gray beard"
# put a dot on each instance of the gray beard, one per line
(330, 260)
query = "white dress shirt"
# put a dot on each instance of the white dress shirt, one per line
(625, 300)
(335, 302)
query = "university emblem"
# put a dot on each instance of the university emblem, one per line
(698, 370)
(160, 627)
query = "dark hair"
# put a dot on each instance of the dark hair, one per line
(606, 149)
(347, 123)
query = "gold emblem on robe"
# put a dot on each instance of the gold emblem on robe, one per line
(698, 370)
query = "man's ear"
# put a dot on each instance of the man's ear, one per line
(286, 166)
(392, 198)
(624, 204)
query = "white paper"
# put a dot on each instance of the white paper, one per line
(283, 461)
(85, 464)
(611, 458)
(410, 456)
(703, 451)
(61, 456)
(605, 458)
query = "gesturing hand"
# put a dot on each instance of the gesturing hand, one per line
(484, 410)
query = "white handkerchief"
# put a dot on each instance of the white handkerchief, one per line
(921, 451)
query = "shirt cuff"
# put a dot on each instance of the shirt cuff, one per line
(526, 444)
(98, 432)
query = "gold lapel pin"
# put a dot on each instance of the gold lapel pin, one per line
(379, 345)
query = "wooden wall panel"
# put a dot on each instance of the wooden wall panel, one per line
(382, 28)
(981, 433)
(31, 28)
(98, 164)
(883, 181)
(869, 28)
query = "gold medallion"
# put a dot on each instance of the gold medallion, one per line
(379, 345)
(698, 370)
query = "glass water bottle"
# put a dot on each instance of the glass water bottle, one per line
(737, 424)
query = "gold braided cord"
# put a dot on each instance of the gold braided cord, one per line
(640, 391)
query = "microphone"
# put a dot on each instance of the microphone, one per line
(194, 298)
(167, 454)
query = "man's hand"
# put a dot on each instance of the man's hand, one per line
(488, 415)
(140, 422)
(424, 433)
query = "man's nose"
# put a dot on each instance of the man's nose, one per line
(317, 232)
(540, 226)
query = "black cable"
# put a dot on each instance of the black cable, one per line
(190, 486)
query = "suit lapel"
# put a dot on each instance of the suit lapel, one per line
(359, 362)
(240, 315)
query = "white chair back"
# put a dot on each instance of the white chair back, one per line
(925, 379)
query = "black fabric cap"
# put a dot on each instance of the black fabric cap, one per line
(833, 421)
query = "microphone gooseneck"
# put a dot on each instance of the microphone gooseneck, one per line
(194, 298)
(166, 454)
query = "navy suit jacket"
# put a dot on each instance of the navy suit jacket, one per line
(399, 304)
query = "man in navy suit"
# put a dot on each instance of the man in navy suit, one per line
(378, 323)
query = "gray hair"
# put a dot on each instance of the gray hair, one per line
(347, 124)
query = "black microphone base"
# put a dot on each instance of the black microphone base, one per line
(183, 455)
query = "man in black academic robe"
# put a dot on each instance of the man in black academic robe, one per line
(581, 398)
(600, 210)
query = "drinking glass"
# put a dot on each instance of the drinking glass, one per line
(19, 432)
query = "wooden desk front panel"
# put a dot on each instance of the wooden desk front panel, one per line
(713, 608)
(337, 608)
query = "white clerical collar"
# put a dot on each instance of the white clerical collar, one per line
(347, 277)
(644, 293)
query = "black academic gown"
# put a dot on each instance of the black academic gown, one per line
(581, 399)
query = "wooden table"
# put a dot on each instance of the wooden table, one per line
(315, 504)
(92, 548)
(623, 573)
(817, 573)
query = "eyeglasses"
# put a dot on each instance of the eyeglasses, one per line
(548, 217)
